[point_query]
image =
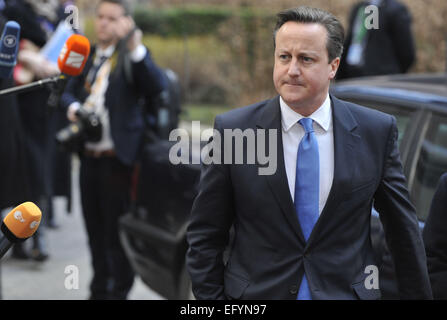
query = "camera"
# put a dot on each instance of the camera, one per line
(88, 127)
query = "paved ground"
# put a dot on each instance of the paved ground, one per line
(25, 280)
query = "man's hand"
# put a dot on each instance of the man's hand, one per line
(123, 26)
(34, 62)
(71, 112)
(37, 64)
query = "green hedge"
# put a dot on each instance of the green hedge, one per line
(191, 20)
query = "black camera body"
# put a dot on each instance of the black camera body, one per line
(88, 127)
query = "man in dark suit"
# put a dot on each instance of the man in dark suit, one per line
(303, 232)
(387, 49)
(435, 240)
(118, 73)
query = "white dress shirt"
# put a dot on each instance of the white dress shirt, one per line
(293, 132)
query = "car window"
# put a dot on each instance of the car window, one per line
(431, 163)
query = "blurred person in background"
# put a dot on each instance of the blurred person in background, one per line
(435, 239)
(60, 161)
(389, 49)
(38, 20)
(13, 186)
(117, 74)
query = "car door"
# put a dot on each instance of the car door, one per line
(153, 233)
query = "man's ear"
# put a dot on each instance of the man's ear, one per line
(334, 64)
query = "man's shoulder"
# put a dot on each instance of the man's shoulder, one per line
(365, 114)
(243, 117)
(395, 7)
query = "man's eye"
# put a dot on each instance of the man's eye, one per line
(307, 59)
(283, 56)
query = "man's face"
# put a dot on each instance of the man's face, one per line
(106, 21)
(302, 71)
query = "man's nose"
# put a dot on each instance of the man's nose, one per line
(294, 68)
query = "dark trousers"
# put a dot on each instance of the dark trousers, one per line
(105, 194)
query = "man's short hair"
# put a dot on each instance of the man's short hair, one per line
(123, 3)
(304, 14)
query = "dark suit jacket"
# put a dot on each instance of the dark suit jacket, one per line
(122, 100)
(14, 184)
(32, 107)
(268, 254)
(390, 49)
(435, 238)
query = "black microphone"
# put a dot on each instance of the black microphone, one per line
(19, 224)
(9, 46)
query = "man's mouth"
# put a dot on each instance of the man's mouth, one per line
(295, 84)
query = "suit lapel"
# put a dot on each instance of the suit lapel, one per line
(345, 141)
(271, 119)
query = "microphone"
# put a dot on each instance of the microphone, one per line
(9, 46)
(18, 225)
(74, 55)
(71, 62)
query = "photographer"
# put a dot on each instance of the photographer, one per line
(119, 71)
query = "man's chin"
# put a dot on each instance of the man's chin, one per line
(105, 41)
(104, 37)
(293, 101)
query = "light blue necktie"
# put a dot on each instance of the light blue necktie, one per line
(307, 186)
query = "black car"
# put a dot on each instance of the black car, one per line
(154, 233)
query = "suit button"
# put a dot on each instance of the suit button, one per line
(293, 289)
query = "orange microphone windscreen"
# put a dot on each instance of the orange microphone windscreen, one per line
(74, 55)
(23, 220)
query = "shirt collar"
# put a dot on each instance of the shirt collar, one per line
(322, 116)
(107, 52)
